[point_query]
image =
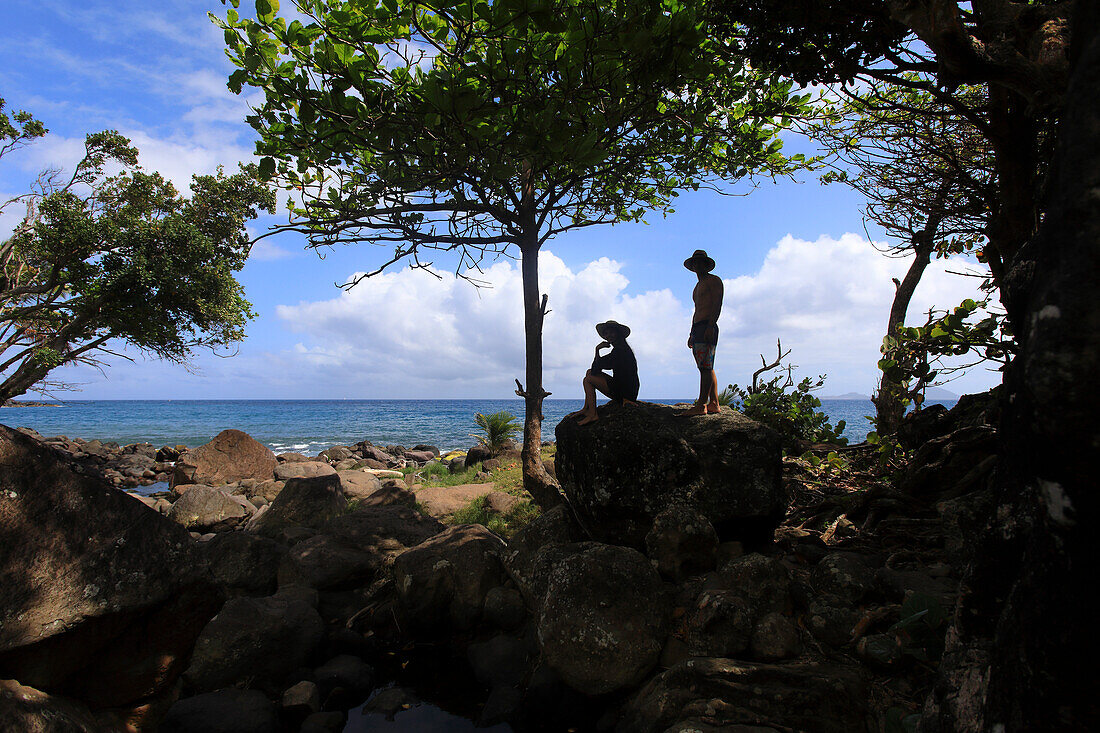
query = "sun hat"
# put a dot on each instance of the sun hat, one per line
(603, 328)
(699, 262)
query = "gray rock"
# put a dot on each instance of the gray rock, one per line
(223, 711)
(303, 469)
(305, 502)
(504, 608)
(391, 701)
(344, 681)
(99, 596)
(532, 551)
(831, 620)
(327, 562)
(620, 472)
(602, 621)
(844, 575)
(681, 543)
(775, 637)
(331, 722)
(499, 661)
(882, 651)
(725, 694)
(301, 699)
(203, 507)
(337, 453)
(359, 485)
(244, 564)
(442, 582)
(255, 641)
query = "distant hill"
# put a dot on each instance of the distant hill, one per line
(932, 393)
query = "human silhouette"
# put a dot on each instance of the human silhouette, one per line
(703, 338)
(622, 384)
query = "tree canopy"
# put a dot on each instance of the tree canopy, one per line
(471, 127)
(100, 257)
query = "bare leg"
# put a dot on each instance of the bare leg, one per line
(700, 406)
(712, 401)
(592, 382)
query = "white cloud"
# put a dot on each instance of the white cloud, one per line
(407, 334)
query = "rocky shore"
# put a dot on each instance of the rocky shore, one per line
(694, 580)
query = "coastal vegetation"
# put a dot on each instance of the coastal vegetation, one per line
(100, 258)
(496, 428)
(477, 129)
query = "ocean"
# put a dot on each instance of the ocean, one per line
(310, 426)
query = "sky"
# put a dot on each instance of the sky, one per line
(796, 257)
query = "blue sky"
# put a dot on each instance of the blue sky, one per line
(794, 255)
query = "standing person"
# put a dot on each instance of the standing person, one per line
(622, 384)
(703, 338)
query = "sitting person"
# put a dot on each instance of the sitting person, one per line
(622, 384)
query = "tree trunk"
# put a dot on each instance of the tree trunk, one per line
(1025, 621)
(536, 480)
(890, 399)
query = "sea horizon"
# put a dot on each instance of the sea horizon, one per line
(312, 425)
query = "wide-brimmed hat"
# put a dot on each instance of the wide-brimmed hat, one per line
(699, 262)
(605, 328)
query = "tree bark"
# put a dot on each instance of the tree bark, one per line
(536, 480)
(1027, 609)
(890, 399)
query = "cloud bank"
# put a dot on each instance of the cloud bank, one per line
(408, 334)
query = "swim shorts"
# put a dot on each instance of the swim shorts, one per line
(704, 340)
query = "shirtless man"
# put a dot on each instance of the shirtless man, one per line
(704, 331)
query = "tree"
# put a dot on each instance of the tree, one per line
(1016, 639)
(100, 257)
(928, 176)
(478, 129)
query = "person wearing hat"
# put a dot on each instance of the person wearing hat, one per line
(622, 384)
(703, 338)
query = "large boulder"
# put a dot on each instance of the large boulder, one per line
(534, 550)
(623, 470)
(349, 550)
(303, 469)
(442, 582)
(602, 622)
(101, 598)
(359, 485)
(27, 710)
(230, 456)
(244, 564)
(303, 502)
(201, 508)
(725, 694)
(224, 711)
(255, 641)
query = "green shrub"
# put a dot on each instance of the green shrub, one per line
(496, 428)
(793, 414)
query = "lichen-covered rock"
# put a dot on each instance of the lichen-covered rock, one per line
(305, 502)
(725, 694)
(224, 711)
(201, 508)
(620, 472)
(602, 622)
(442, 582)
(775, 637)
(844, 575)
(100, 596)
(244, 564)
(255, 641)
(230, 456)
(533, 550)
(682, 542)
